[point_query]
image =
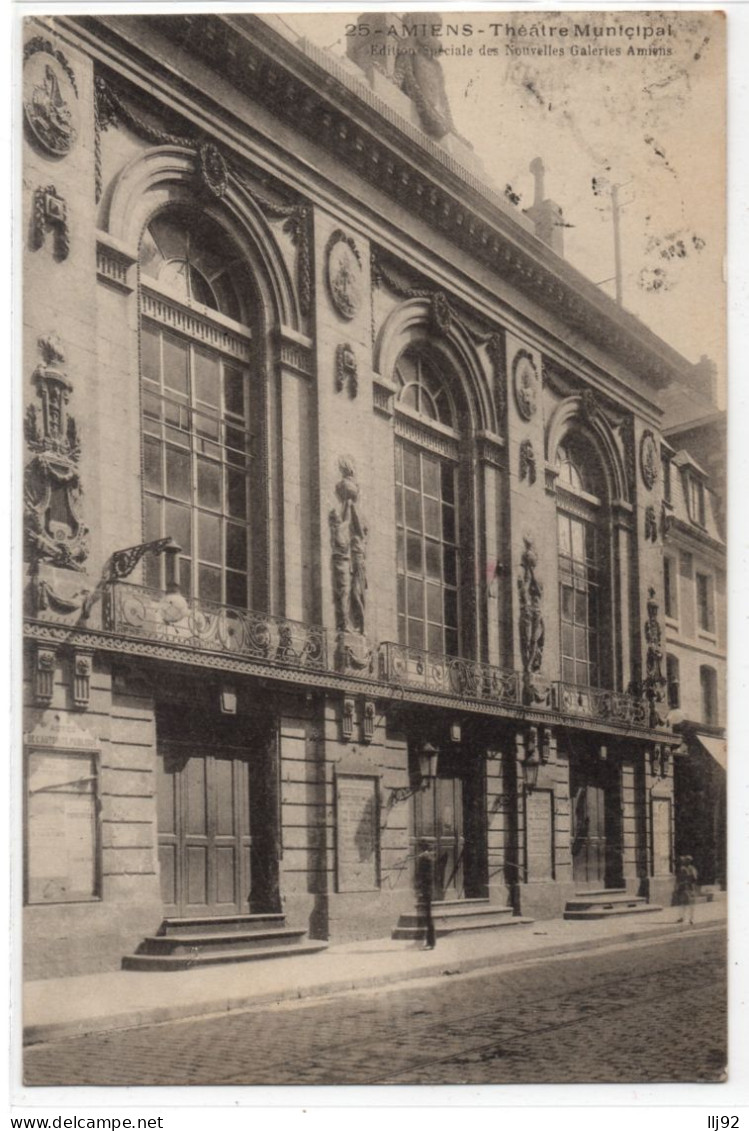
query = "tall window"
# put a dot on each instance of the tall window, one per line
(580, 573)
(709, 689)
(196, 408)
(672, 681)
(696, 497)
(670, 601)
(705, 615)
(426, 508)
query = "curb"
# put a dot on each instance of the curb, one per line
(59, 1030)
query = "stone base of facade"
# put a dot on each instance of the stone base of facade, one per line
(62, 941)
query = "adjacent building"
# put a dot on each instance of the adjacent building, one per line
(344, 512)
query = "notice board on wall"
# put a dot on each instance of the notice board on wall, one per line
(539, 834)
(62, 852)
(357, 833)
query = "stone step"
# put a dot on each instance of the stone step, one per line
(220, 924)
(490, 916)
(212, 942)
(590, 893)
(602, 912)
(163, 962)
(580, 903)
(451, 927)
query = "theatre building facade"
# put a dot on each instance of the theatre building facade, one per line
(343, 514)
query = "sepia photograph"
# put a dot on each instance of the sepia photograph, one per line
(371, 410)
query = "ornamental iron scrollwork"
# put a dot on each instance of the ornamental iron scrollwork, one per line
(449, 675)
(600, 705)
(53, 526)
(135, 610)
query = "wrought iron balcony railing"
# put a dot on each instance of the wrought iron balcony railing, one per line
(604, 706)
(448, 675)
(150, 613)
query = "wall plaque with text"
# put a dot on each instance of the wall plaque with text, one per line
(539, 834)
(357, 833)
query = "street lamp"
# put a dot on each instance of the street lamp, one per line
(427, 772)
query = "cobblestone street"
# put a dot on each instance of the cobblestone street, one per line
(642, 1013)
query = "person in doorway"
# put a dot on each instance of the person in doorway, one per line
(686, 889)
(425, 891)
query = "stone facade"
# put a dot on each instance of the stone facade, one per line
(373, 315)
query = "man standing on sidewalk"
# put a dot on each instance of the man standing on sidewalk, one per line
(425, 889)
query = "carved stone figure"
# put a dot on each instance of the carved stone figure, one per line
(651, 525)
(341, 563)
(654, 679)
(349, 552)
(419, 75)
(53, 526)
(531, 591)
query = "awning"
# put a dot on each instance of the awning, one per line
(716, 748)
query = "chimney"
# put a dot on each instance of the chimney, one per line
(545, 214)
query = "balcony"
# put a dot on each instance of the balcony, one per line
(151, 614)
(447, 675)
(602, 706)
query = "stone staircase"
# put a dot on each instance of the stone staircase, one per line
(606, 904)
(182, 944)
(457, 915)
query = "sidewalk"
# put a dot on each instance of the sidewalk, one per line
(66, 1007)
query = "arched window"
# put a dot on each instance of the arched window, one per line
(196, 355)
(426, 502)
(582, 566)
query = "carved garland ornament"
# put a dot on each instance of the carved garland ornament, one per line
(54, 530)
(346, 370)
(51, 211)
(527, 462)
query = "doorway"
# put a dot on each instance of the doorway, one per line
(449, 816)
(204, 836)
(596, 823)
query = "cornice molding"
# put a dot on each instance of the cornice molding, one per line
(55, 635)
(298, 88)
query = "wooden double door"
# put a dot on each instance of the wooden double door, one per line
(596, 823)
(204, 836)
(449, 817)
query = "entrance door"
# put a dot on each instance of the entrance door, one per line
(596, 822)
(204, 830)
(588, 834)
(439, 821)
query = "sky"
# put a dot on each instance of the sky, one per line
(652, 124)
